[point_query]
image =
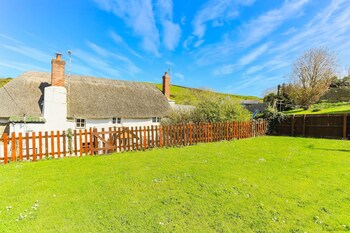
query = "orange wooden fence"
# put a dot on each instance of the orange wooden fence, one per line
(56, 144)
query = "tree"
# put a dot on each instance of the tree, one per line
(312, 75)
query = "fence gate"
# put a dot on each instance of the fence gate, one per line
(103, 142)
(115, 139)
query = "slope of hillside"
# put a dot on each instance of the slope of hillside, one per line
(183, 95)
(3, 81)
(190, 96)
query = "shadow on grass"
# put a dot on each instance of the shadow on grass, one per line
(327, 149)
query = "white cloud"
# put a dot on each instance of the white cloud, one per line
(169, 63)
(171, 31)
(125, 64)
(290, 31)
(30, 52)
(179, 75)
(213, 10)
(198, 43)
(224, 70)
(253, 55)
(138, 15)
(187, 42)
(119, 40)
(257, 29)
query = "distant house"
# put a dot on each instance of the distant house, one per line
(254, 105)
(41, 101)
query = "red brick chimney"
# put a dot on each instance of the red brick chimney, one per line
(57, 71)
(166, 85)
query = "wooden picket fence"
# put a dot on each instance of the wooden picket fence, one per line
(56, 144)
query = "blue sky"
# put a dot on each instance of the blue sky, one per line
(232, 46)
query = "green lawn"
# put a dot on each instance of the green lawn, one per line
(266, 184)
(324, 108)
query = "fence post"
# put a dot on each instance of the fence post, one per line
(20, 146)
(13, 146)
(344, 125)
(5, 148)
(91, 143)
(304, 123)
(160, 137)
(293, 123)
(34, 146)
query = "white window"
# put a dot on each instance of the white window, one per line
(156, 119)
(80, 123)
(117, 120)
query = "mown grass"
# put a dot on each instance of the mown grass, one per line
(191, 96)
(267, 184)
(324, 108)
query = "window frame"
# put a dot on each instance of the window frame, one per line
(80, 123)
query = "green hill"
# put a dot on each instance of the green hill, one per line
(183, 95)
(190, 96)
(3, 81)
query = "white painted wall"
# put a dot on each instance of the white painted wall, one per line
(55, 108)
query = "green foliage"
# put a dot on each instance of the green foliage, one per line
(270, 98)
(210, 109)
(178, 117)
(273, 117)
(266, 184)
(220, 110)
(69, 135)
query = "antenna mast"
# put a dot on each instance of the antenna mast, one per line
(70, 67)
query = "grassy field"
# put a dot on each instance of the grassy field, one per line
(324, 108)
(190, 96)
(267, 184)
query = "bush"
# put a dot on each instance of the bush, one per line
(210, 109)
(272, 116)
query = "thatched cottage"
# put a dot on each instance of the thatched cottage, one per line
(40, 101)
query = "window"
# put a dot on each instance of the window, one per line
(156, 119)
(80, 123)
(117, 120)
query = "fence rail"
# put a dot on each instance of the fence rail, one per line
(56, 144)
(318, 126)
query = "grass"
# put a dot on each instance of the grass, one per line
(267, 184)
(324, 108)
(191, 96)
(3, 81)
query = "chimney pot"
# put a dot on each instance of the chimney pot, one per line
(58, 56)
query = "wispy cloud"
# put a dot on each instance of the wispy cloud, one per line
(171, 31)
(27, 51)
(253, 55)
(138, 15)
(179, 75)
(224, 70)
(126, 65)
(258, 28)
(119, 40)
(169, 63)
(245, 60)
(216, 11)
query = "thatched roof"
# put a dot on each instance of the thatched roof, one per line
(88, 97)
